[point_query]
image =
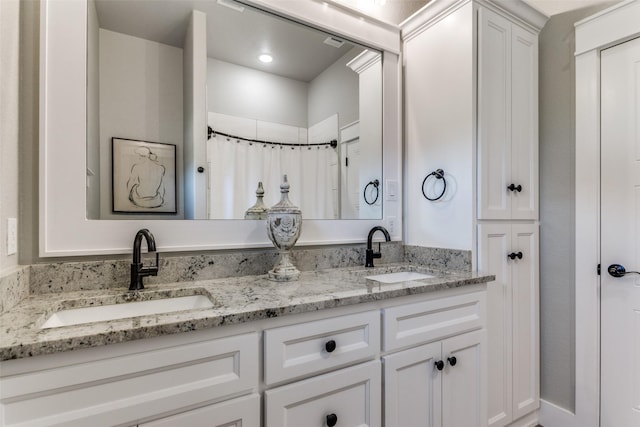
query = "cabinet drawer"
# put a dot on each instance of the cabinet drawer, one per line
(352, 395)
(135, 386)
(241, 412)
(422, 322)
(306, 349)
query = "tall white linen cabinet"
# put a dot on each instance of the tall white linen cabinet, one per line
(471, 109)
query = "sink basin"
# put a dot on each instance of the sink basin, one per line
(401, 276)
(103, 313)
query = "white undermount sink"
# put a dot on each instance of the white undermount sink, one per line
(401, 276)
(103, 313)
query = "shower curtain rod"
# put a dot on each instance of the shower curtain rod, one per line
(211, 133)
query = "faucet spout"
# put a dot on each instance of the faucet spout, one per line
(138, 270)
(369, 253)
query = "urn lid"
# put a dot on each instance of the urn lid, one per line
(259, 209)
(285, 205)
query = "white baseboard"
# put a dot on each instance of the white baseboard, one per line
(554, 416)
(529, 420)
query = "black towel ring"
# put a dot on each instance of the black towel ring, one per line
(439, 174)
(376, 185)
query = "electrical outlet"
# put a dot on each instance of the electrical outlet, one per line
(12, 236)
(391, 225)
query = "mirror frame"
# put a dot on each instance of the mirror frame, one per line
(64, 229)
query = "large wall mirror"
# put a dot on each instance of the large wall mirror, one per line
(281, 98)
(119, 99)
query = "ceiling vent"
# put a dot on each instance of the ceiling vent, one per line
(332, 41)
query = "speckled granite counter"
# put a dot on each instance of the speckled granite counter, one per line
(235, 299)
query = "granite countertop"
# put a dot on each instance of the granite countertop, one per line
(235, 299)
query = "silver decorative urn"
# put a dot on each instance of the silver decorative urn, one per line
(284, 222)
(259, 210)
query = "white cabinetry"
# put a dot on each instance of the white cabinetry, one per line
(349, 397)
(471, 108)
(510, 251)
(441, 383)
(240, 412)
(319, 369)
(437, 384)
(109, 386)
(507, 119)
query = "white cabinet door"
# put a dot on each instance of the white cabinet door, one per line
(240, 412)
(512, 319)
(463, 382)
(494, 116)
(526, 341)
(412, 387)
(494, 242)
(417, 393)
(524, 123)
(507, 119)
(348, 397)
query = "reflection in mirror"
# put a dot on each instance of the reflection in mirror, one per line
(244, 96)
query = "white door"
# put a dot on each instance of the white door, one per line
(620, 234)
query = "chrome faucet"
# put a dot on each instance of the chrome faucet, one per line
(370, 255)
(138, 271)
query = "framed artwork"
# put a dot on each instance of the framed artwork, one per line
(143, 178)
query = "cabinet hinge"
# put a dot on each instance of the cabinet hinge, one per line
(598, 269)
(346, 161)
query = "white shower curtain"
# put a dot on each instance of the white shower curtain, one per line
(236, 166)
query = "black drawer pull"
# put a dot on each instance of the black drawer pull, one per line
(332, 420)
(330, 346)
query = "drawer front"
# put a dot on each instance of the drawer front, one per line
(241, 412)
(351, 395)
(135, 386)
(422, 322)
(308, 348)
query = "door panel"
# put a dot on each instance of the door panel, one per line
(463, 395)
(524, 123)
(620, 235)
(412, 388)
(526, 372)
(494, 244)
(494, 116)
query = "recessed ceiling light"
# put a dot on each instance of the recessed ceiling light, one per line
(266, 58)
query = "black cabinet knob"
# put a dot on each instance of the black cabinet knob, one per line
(514, 187)
(332, 420)
(330, 346)
(514, 255)
(200, 169)
(452, 360)
(439, 365)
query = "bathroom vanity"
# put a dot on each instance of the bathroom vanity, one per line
(333, 347)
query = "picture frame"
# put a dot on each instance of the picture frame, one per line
(143, 177)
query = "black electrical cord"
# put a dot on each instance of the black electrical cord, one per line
(439, 174)
(376, 185)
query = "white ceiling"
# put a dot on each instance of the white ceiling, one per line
(236, 37)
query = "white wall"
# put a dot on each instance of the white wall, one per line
(244, 92)
(370, 107)
(141, 97)
(441, 134)
(557, 210)
(9, 123)
(335, 90)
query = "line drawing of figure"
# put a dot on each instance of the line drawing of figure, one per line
(146, 180)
